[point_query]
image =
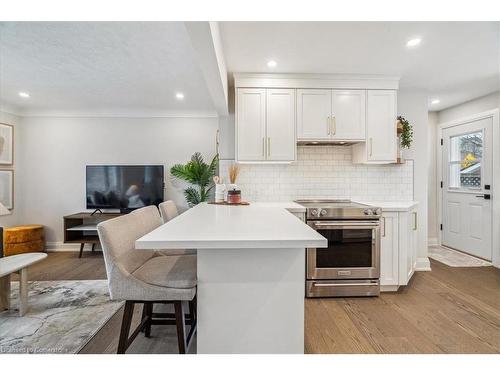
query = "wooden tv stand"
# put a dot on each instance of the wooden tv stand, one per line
(82, 227)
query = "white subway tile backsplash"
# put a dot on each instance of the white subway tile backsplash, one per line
(324, 172)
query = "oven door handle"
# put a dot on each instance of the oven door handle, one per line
(344, 224)
(345, 284)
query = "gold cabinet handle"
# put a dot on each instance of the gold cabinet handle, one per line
(383, 226)
(334, 125)
(328, 125)
(268, 146)
(415, 223)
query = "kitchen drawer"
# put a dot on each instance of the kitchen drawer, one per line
(342, 288)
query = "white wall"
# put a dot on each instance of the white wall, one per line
(324, 172)
(412, 104)
(8, 118)
(457, 112)
(227, 130)
(55, 151)
(472, 107)
(432, 185)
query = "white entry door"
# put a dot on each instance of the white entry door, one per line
(466, 191)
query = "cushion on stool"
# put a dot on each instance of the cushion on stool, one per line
(169, 271)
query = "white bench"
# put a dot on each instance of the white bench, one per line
(16, 263)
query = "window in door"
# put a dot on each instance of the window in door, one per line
(466, 151)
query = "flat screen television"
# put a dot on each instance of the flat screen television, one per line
(124, 187)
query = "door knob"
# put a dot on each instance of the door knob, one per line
(485, 196)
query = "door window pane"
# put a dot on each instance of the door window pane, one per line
(466, 153)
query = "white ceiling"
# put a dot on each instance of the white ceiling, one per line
(100, 68)
(137, 67)
(456, 61)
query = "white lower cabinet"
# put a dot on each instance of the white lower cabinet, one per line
(411, 255)
(398, 248)
(389, 254)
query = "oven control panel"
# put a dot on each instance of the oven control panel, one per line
(344, 213)
(375, 211)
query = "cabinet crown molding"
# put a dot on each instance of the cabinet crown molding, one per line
(313, 81)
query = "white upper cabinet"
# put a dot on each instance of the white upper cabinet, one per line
(265, 125)
(275, 111)
(348, 121)
(381, 118)
(381, 138)
(280, 125)
(314, 110)
(331, 115)
(251, 125)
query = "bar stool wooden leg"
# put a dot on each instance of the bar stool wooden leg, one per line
(192, 310)
(149, 313)
(81, 250)
(180, 324)
(128, 312)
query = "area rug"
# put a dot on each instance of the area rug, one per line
(62, 317)
(455, 258)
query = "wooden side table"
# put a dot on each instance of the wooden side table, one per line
(23, 239)
(19, 264)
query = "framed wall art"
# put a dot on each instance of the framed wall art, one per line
(6, 144)
(7, 188)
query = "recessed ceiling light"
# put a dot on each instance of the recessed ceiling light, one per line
(436, 101)
(272, 64)
(24, 94)
(179, 95)
(413, 42)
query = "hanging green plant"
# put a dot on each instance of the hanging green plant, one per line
(406, 137)
(199, 174)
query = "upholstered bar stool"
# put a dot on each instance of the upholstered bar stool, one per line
(168, 211)
(141, 276)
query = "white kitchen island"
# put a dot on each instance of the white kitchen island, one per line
(251, 272)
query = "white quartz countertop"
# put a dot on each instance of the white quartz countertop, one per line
(208, 226)
(391, 206)
(385, 205)
(287, 205)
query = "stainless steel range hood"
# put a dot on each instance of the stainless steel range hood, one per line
(327, 142)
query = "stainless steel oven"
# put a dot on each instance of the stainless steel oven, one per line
(350, 264)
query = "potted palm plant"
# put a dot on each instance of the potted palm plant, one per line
(199, 174)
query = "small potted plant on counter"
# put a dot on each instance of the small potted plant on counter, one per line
(199, 174)
(405, 136)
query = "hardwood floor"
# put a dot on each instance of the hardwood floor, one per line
(447, 310)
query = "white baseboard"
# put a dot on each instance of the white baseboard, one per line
(61, 246)
(389, 288)
(433, 241)
(423, 264)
